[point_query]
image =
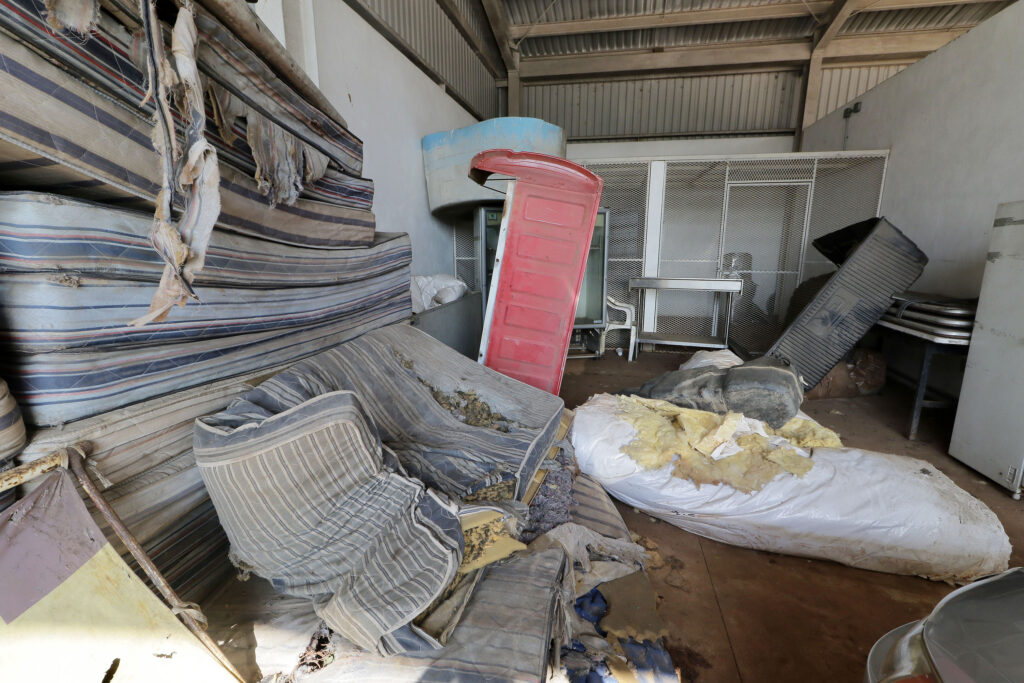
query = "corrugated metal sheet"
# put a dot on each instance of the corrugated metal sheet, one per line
(839, 86)
(678, 36)
(664, 107)
(425, 30)
(476, 19)
(531, 11)
(922, 18)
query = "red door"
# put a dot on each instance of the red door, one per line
(546, 231)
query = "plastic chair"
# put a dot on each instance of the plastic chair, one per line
(628, 324)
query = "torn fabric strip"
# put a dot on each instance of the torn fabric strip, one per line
(183, 249)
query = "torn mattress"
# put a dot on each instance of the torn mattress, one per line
(57, 387)
(49, 233)
(104, 59)
(311, 500)
(869, 510)
(142, 462)
(47, 313)
(94, 140)
(397, 371)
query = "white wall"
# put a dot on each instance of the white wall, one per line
(774, 144)
(389, 103)
(955, 125)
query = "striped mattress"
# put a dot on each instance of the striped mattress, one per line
(104, 59)
(142, 461)
(60, 312)
(394, 371)
(94, 140)
(47, 233)
(505, 634)
(53, 388)
(312, 501)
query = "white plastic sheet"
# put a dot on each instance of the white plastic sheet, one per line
(429, 291)
(870, 510)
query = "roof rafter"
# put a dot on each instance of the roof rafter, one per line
(786, 10)
(722, 15)
(497, 17)
(487, 50)
(867, 47)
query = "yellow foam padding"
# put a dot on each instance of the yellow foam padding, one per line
(101, 613)
(487, 539)
(808, 434)
(666, 432)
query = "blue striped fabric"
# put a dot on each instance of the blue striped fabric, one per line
(391, 369)
(104, 58)
(505, 634)
(12, 426)
(46, 233)
(593, 508)
(142, 458)
(94, 139)
(312, 501)
(47, 313)
(54, 388)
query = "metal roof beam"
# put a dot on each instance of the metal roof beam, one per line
(840, 12)
(913, 4)
(893, 45)
(497, 17)
(726, 54)
(485, 49)
(854, 48)
(787, 10)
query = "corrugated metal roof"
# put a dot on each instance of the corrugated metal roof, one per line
(476, 18)
(532, 11)
(840, 86)
(921, 18)
(665, 107)
(679, 36)
(427, 31)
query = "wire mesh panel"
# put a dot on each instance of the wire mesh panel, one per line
(763, 246)
(467, 260)
(846, 190)
(751, 218)
(691, 243)
(625, 196)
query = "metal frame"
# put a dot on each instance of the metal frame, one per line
(726, 286)
(495, 277)
(792, 170)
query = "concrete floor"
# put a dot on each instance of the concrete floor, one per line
(745, 615)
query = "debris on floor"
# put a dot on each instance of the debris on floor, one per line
(549, 532)
(946, 535)
(765, 389)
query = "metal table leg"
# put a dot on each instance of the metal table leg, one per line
(922, 388)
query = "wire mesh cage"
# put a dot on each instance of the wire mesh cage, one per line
(467, 260)
(747, 218)
(625, 196)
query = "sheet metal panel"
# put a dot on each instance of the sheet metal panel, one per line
(656, 107)
(843, 85)
(988, 431)
(851, 302)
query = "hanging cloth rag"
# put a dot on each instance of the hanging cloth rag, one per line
(183, 248)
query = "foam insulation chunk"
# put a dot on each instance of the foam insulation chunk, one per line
(707, 448)
(807, 434)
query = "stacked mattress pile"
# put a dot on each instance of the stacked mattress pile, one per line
(289, 170)
(76, 272)
(295, 264)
